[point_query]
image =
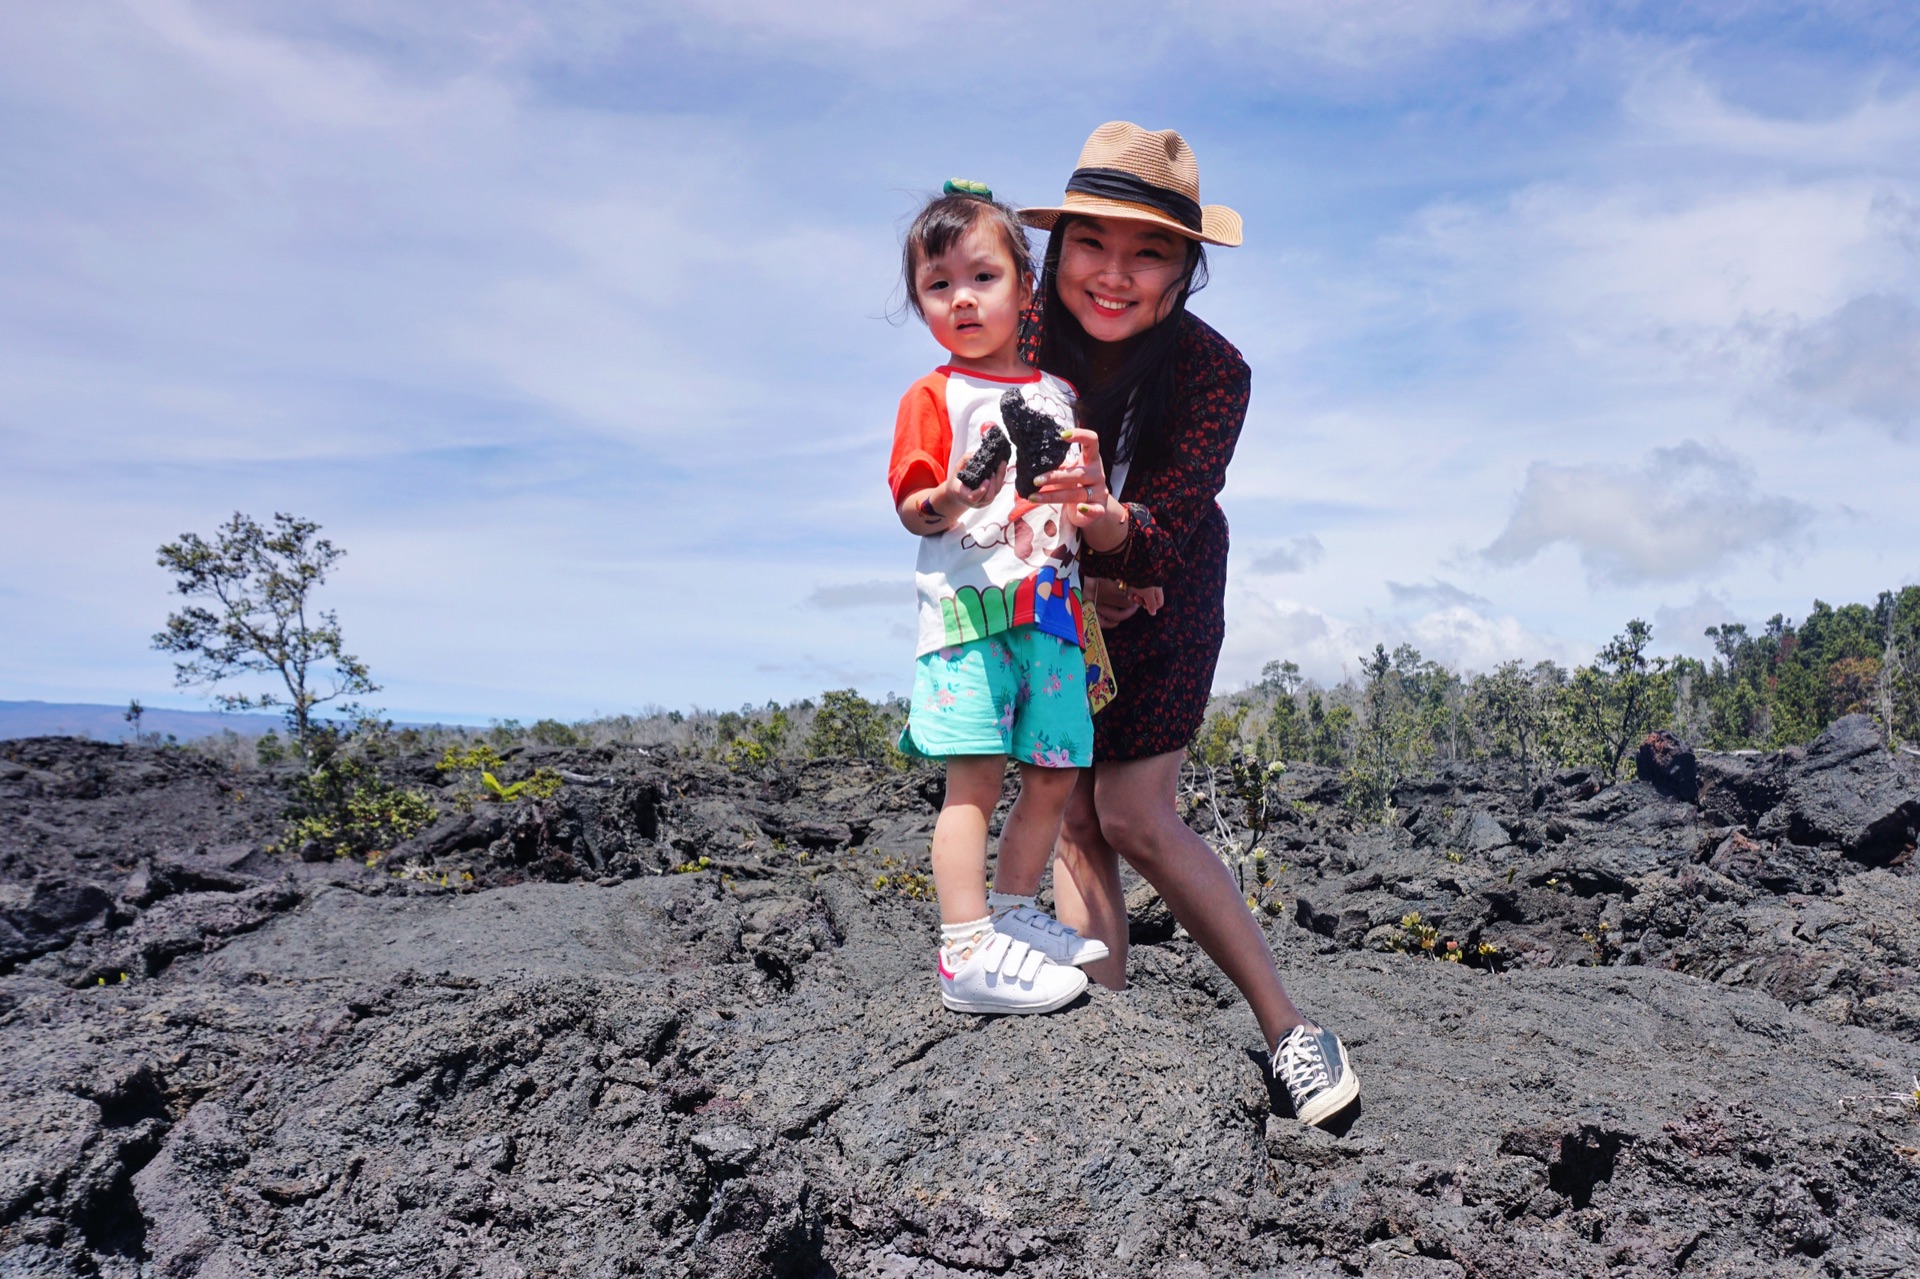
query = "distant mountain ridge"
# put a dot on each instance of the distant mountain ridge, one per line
(109, 724)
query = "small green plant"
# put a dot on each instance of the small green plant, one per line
(481, 759)
(544, 784)
(478, 757)
(698, 864)
(1455, 857)
(906, 883)
(346, 808)
(438, 878)
(761, 740)
(1419, 937)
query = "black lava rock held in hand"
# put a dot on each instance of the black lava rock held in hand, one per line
(993, 451)
(1039, 441)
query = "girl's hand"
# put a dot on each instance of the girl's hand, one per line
(982, 496)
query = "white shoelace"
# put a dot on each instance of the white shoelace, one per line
(1301, 1065)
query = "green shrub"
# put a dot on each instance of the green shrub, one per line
(346, 808)
(551, 732)
(848, 724)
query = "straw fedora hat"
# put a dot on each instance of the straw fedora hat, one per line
(1127, 172)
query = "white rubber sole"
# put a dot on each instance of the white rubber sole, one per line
(1094, 952)
(996, 1008)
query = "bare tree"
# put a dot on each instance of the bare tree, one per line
(259, 581)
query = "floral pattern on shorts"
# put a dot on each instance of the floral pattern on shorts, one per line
(1021, 693)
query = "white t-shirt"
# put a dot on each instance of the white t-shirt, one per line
(1010, 563)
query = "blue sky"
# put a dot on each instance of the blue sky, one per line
(568, 320)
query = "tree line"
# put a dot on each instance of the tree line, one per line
(255, 617)
(1778, 687)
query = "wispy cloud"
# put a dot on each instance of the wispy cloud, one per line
(1684, 512)
(1293, 556)
(897, 595)
(1683, 627)
(1434, 594)
(1861, 362)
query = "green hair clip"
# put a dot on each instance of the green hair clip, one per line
(964, 186)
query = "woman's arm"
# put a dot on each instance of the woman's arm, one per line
(1172, 501)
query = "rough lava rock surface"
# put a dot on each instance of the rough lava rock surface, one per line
(521, 1044)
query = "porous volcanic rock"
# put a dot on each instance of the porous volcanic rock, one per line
(680, 1021)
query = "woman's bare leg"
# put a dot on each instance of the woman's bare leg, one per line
(1134, 800)
(1087, 895)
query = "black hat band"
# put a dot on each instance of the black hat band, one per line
(1118, 184)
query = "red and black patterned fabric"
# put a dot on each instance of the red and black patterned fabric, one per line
(1164, 663)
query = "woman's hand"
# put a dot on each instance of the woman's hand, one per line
(1111, 602)
(1081, 490)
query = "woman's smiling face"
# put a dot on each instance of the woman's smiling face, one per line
(1118, 277)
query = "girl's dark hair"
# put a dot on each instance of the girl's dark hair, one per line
(1144, 384)
(944, 221)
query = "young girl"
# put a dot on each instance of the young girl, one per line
(1000, 670)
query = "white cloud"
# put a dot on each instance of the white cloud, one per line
(1862, 362)
(1685, 512)
(894, 594)
(1436, 593)
(1366, 33)
(1292, 556)
(1680, 107)
(1681, 628)
(1262, 629)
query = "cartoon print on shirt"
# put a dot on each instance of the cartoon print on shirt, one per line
(1019, 533)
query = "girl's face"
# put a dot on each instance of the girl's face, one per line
(971, 297)
(1118, 277)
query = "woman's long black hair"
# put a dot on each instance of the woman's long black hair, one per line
(1145, 383)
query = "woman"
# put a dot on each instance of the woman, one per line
(1166, 395)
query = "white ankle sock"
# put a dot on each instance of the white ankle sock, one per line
(998, 902)
(960, 934)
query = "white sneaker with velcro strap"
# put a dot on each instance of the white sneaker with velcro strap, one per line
(998, 973)
(1049, 936)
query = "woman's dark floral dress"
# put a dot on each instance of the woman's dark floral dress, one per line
(1164, 663)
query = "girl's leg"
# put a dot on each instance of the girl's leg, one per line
(960, 836)
(1087, 895)
(1134, 800)
(1026, 841)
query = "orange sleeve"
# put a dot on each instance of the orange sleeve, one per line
(922, 438)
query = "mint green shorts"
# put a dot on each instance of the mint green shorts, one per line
(1021, 693)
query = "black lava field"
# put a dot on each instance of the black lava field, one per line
(680, 1020)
